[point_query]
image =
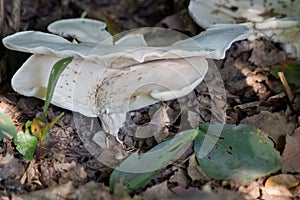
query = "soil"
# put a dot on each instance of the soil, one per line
(66, 168)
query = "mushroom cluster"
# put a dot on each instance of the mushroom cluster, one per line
(110, 76)
(278, 21)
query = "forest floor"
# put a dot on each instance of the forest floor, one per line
(67, 169)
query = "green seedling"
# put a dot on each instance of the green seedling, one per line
(38, 126)
(37, 129)
(26, 143)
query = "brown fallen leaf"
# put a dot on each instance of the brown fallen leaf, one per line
(291, 154)
(33, 175)
(91, 191)
(179, 178)
(274, 124)
(59, 192)
(10, 167)
(195, 172)
(158, 120)
(159, 191)
(195, 194)
(6, 159)
(282, 186)
(180, 21)
(70, 171)
(194, 119)
(251, 191)
(276, 192)
(286, 180)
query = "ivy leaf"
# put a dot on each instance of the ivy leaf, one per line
(137, 170)
(26, 144)
(7, 127)
(240, 152)
(291, 72)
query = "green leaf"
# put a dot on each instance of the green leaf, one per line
(56, 71)
(40, 129)
(291, 72)
(129, 181)
(137, 170)
(7, 127)
(26, 144)
(28, 124)
(240, 152)
(50, 126)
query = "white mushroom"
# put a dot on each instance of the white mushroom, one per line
(207, 13)
(84, 30)
(109, 80)
(285, 31)
(211, 43)
(264, 17)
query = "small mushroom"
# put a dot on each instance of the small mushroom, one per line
(285, 31)
(263, 17)
(82, 29)
(208, 13)
(108, 80)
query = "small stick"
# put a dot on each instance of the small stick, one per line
(286, 86)
(2, 15)
(16, 14)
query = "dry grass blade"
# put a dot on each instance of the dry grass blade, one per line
(286, 86)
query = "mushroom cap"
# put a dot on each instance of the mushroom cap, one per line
(263, 17)
(211, 44)
(207, 13)
(285, 31)
(32, 80)
(82, 29)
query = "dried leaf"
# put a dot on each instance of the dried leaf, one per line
(179, 178)
(159, 191)
(57, 192)
(195, 172)
(158, 121)
(286, 180)
(10, 167)
(273, 124)
(291, 154)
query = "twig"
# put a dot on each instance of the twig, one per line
(286, 86)
(16, 14)
(2, 14)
